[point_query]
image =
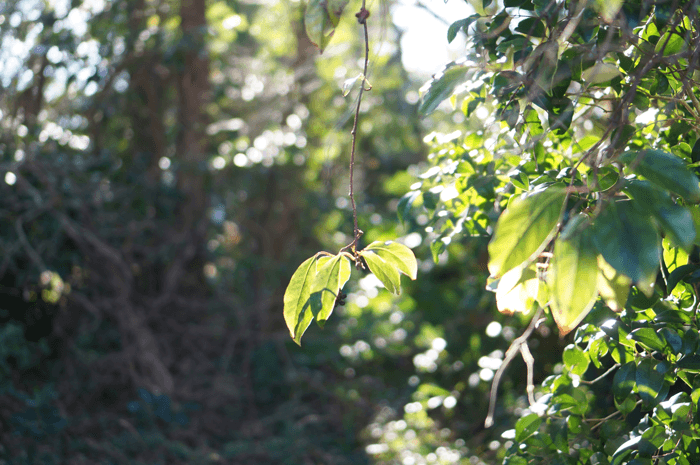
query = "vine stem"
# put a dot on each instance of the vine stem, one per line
(362, 16)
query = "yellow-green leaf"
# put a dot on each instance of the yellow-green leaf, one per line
(524, 229)
(396, 254)
(297, 315)
(573, 276)
(332, 274)
(613, 286)
(387, 273)
(517, 291)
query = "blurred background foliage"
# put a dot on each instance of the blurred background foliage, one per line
(165, 167)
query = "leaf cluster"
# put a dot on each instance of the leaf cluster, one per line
(315, 287)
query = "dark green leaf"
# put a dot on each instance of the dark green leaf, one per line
(678, 274)
(524, 229)
(559, 433)
(629, 243)
(674, 220)
(461, 25)
(665, 170)
(695, 154)
(624, 381)
(649, 381)
(689, 363)
(533, 27)
(673, 340)
(560, 115)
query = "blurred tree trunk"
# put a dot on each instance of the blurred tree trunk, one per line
(193, 88)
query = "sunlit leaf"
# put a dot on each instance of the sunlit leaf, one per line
(648, 338)
(296, 299)
(613, 286)
(524, 229)
(517, 291)
(387, 273)
(666, 171)
(332, 275)
(573, 275)
(398, 255)
(526, 426)
(442, 86)
(629, 242)
(608, 9)
(671, 43)
(575, 360)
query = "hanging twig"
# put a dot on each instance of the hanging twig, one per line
(362, 16)
(518, 345)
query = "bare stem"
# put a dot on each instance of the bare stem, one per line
(362, 16)
(518, 345)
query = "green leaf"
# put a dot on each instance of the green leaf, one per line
(573, 275)
(671, 43)
(678, 274)
(648, 339)
(674, 220)
(387, 273)
(575, 360)
(442, 86)
(624, 381)
(517, 291)
(666, 171)
(462, 24)
(526, 426)
(629, 243)
(559, 434)
(297, 314)
(524, 229)
(613, 286)
(333, 273)
(690, 363)
(674, 341)
(398, 255)
(649, 381)
(608, 9)
(321, 18)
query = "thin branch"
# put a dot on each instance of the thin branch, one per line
(530, 364)
(515, 347)
(362, 16)
(610, 370)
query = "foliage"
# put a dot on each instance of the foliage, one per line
(582, 175)
(579, 163)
